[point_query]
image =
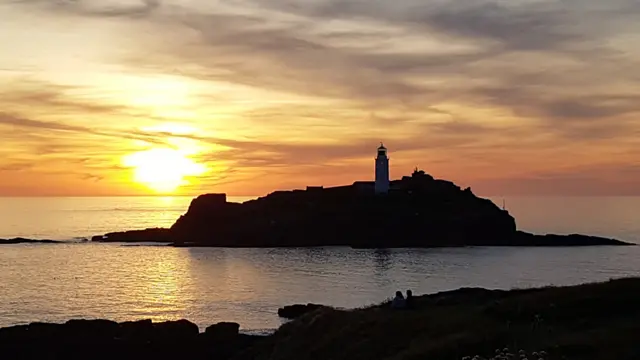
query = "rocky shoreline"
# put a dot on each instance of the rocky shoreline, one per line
(520, 238)
(585, 322)
(162, 236)
(106, 339)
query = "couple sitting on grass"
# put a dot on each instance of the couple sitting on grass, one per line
(400, 302)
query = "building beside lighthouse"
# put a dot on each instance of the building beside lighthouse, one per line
(382, 171)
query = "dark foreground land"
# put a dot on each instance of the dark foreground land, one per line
(587, 322)
(419, 211)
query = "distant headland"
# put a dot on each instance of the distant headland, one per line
(414, 211)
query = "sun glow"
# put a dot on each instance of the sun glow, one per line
(163, 170)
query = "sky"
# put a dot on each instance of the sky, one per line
(128, 97)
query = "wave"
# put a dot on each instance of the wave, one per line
(258, 332)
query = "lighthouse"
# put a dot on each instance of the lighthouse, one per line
(382, 171)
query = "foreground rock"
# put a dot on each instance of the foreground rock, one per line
(104, 339)
(419, 211)
(27, 241)
(587, 322)
(297, 310)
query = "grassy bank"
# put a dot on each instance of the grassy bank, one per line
(594, 321)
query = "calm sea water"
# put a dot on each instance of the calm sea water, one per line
(84, 280)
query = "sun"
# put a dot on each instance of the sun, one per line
(162, 170)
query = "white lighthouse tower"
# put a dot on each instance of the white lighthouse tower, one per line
(382, 171)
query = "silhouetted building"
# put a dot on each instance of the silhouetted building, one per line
(382, 171)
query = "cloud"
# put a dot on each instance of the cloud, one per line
(38, 125)
(98, 8)
(15, 121)
(16, 166)
(505, 43)
(580, 181)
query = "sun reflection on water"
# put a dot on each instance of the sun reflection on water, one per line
(163, 289)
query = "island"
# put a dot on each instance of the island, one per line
(415, 211)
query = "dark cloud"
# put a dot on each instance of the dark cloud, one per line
(591, 108)
(16, 121)
(41, 132)
(572, 182)
(542, 27)
(297, 58)
(132, 9)
(16, 166)
(60, 99)
(586, 117)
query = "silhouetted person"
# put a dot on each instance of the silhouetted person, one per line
(409, 300)
(398, 301)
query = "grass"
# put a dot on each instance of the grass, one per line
(588, 322)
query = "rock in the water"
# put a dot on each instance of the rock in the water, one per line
(297, 310)
(147, 235)
(527, 239)
(27, 241)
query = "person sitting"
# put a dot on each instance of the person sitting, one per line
(409, 300)
(398, 302)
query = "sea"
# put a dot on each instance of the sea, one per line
(76, 279)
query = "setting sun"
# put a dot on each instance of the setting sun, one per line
(163, 170)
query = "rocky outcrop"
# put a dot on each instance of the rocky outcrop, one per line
(27, 241)
(148, 235)
(522, 238)
(419, 211)
(104, 339)
(297, 310)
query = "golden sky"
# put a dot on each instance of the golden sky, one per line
(128, 97)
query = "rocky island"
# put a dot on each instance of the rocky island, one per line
(415, 211)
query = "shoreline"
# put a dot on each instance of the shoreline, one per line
(561, 321)
(608, 242)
